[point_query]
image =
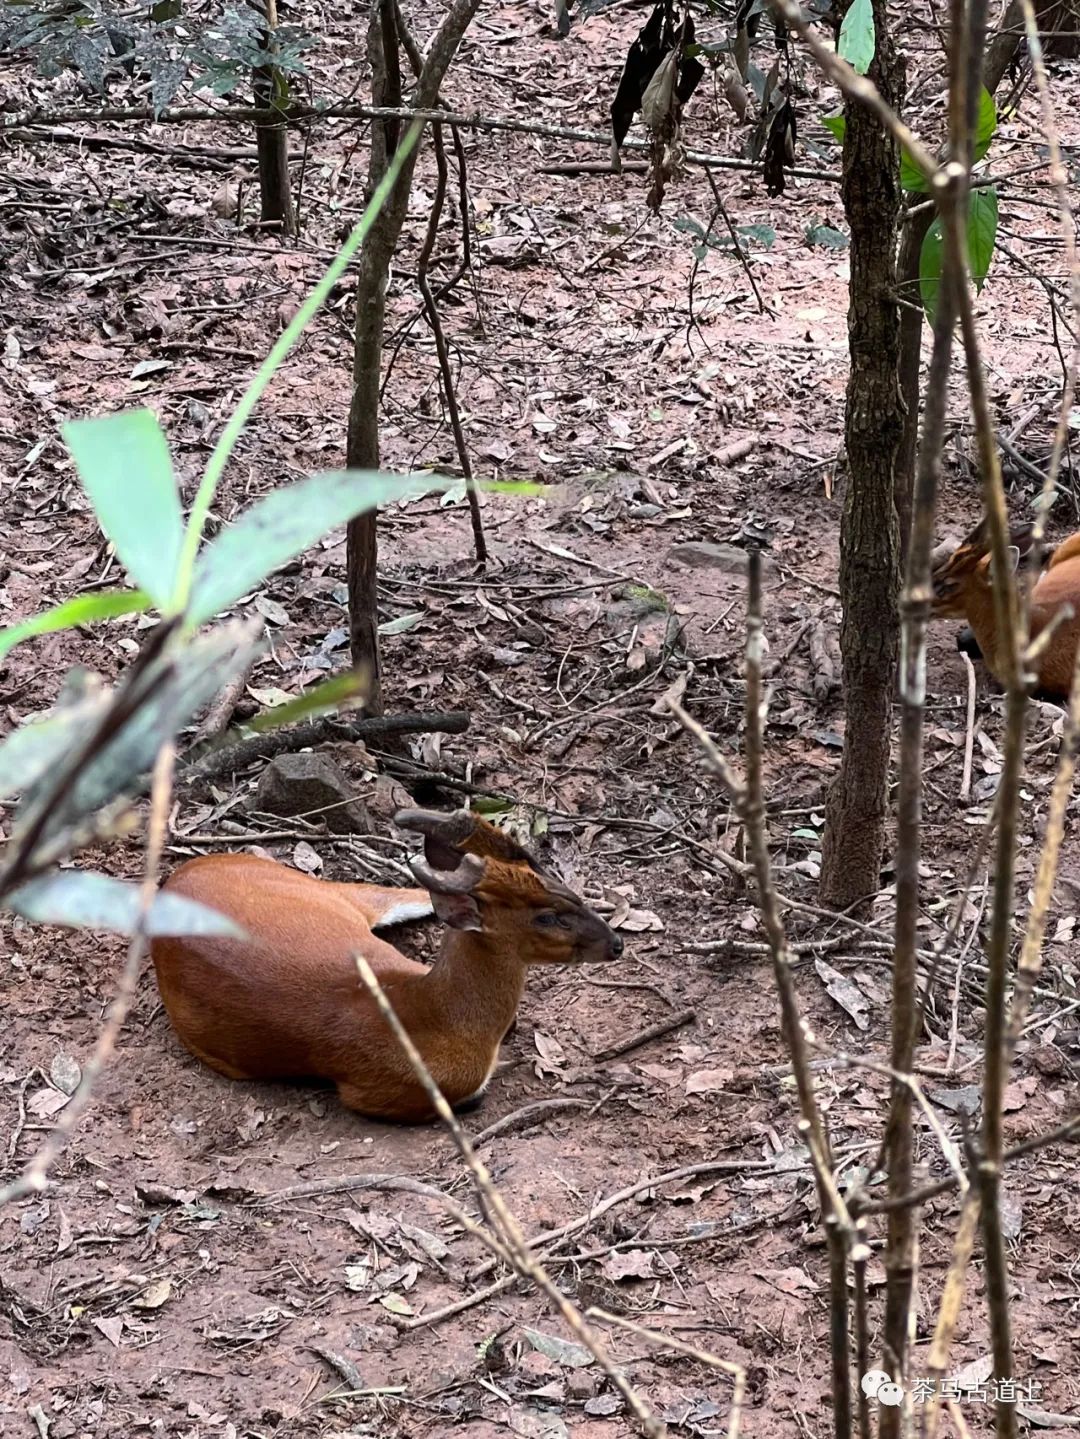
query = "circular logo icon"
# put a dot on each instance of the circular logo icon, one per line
(872, 1381)
(890, 1394)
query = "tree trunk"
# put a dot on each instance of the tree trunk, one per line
(362, 446)
(869, 537)
(272, 138)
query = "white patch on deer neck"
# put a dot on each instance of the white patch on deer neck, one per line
(402, 913)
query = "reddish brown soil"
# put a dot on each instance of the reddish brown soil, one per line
(158, 1287)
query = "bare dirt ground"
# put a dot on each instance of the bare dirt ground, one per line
(163, 1285)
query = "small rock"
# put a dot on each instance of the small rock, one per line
(704, 555)
(1048, 1059)
(580, 1384)
(310, 785)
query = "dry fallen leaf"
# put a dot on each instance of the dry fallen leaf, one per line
(549, 1050)
(638, 921)
(111, 1328)
(65, 1238)
(674, 692)
(306, 859)
(633, 1264)
(708, 1081)
(845, 992)
(65, 1073)
(395, 1304)
(44, 1103)
(788, 1281)
(154, 1295)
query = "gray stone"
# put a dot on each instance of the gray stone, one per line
(705, 555)
(312, 786)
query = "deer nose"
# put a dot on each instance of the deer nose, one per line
(616, 944)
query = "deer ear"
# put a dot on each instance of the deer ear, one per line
(459, 911)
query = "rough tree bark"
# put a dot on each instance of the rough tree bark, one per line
(999, 55)
(869, 538)
(362, 446)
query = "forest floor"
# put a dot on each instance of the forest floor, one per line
(165, 1284)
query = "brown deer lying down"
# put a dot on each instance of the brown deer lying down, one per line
(286, 1002)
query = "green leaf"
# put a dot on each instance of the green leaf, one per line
(687, 225)
(80, 899)
(323, 697)
(930, 262)
(403, 623)
(836, 125)
(82, 610)
(911, 177)
(175, 685)
(489, 804)
(124, 465)
(36, 748)
(982, 231)
(827, 237)
(283, 524)
(857, 36)
(985, 124)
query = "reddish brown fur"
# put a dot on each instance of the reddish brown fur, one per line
(963, 590)
(286, 1002)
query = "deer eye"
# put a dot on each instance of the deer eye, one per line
(547, 919)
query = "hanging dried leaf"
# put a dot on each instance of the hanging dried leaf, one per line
(779, 147)
(656, 102)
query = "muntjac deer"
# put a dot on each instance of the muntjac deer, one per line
(286, 1002)
(963, 590)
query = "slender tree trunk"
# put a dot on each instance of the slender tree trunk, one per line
(272, 138)
(362, 446)
(869, 538)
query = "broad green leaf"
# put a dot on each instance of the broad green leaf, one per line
(403, 623)
(285, 523)
(930, 261)
(350, 686)
(826, 236)
(30, 752)
(82, 610)
(986, 123)
(857, 36)
(687, 225)
(489, 804)
(911, 177)
(175, 685)
(124, 465)
(79, 899)
(982, 231)
(836, 125)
